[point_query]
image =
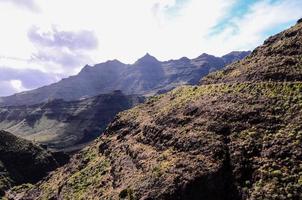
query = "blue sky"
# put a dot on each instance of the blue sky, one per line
(43, 41)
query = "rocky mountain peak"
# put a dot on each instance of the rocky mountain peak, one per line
(204, 55)
(235, 56)
(86, 68)
(147, 58)
(114, 61)
(146, 76)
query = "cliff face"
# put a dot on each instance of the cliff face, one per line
(147, 76)
(237, 137)
(22, 162)
(60, 124)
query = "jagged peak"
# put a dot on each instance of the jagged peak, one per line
(85, 68)
(204, 55)
(114, 61)
(299, 21)
(146, 58)
(184, 59)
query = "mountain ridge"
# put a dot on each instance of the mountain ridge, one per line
(234, 137)
(145, 78)
(62, 125)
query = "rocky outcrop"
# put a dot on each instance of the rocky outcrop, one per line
(63, 125)
(147, 76)
(229, 139)
(22, 161)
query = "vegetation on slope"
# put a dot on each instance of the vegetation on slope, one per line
(60, 124)
(238, 137)
(22, 162)
(224, 141)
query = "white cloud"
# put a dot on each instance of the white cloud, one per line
(126, 30)
(11, 87)
(17, 85)
(15, 79)
(6, 88)
(28, 4)
(249, 30)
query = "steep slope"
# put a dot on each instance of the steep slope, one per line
(22, 162)
(60, 124)
(219, 141)
(240, 141)
(147, 76)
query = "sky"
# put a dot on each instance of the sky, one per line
(43, 41)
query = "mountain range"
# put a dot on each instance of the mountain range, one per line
(67, 115)
(236, 136)
(147, 76)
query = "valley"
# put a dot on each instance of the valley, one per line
(236, 135)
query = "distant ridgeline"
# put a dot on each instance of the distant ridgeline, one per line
(146, 76)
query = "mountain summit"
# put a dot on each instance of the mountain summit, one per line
(236, 137)
(147, 76)
(147, 58)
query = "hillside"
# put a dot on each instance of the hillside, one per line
(232, 141)
(22, 162)
(147, 76)
(60, 124)
(232, 138)
(219, 141)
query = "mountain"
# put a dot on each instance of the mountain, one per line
(22, 161)
(147, 76)
(60, 124)
(235, 137)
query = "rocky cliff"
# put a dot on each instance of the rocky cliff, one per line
(147, 76)
(236, 137)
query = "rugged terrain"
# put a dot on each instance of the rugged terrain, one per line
(22, 161)
(235, 137)
(147, 76)
(60, 124)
